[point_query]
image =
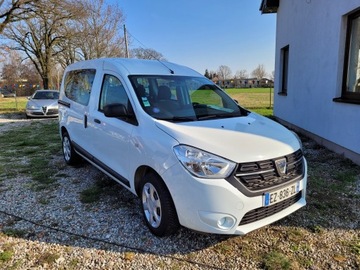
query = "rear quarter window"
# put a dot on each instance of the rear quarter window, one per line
(78, 84)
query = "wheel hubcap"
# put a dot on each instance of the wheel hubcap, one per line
(151, 205)
(66, 148)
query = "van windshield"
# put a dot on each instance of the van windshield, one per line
(182, 98)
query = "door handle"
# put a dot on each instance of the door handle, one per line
(97, 121)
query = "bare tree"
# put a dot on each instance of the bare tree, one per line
(39, 36)
(224, 72)
(259, 72)
(213, 74)
(31, 79)
(98, 34)
(13, 11)
(67, 48)
(57, 73)
(94, 34)
(147, 54)
(18, 75)
(11, 70)
(241, 74)
(272, 75)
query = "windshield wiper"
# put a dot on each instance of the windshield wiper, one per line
(218, 115)
(178, 118)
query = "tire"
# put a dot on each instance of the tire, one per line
(158, 207)
(70, 156)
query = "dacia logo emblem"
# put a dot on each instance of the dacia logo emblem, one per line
(281, 166)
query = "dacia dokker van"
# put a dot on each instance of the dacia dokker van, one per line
(192, 154)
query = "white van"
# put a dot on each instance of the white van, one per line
(179, 142)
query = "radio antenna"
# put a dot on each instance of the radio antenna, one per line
(145, 47)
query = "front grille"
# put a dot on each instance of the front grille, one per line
(52, 111)
(263, 212)
(261, 175)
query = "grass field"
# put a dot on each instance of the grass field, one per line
(12, 105)
(259, 100)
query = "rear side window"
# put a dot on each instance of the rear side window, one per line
(78, 84)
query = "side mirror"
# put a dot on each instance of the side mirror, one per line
(120, 111)
(115, 110)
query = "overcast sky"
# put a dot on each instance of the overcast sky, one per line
(203, 34)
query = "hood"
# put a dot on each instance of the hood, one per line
(240, 139)
(43, 102)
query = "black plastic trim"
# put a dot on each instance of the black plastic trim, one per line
(234, 181)
(237, 184)
(64, 103)
(267, 211)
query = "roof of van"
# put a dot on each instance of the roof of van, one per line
(132, 66)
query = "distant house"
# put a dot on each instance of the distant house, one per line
(317, 70)
(244, 83)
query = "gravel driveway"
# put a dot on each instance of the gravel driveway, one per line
(53, 229)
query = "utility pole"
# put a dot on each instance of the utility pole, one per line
(126, 43)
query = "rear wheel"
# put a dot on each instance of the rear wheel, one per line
(70, 156)
(158, 207)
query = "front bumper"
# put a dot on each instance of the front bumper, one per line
(42, 113)
(216, 206)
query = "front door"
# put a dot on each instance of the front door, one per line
(112, 137)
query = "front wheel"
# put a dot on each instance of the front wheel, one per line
(70, 156)
(158, 207)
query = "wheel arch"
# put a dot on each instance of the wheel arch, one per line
(169, 214)
(139, 174)
(63, 130)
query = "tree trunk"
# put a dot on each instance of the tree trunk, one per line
(46, 82)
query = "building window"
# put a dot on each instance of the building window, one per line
(351, 78)
(284, 70)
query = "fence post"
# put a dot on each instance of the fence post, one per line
(16, 101)
(270, 97)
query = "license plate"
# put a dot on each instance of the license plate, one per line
(274, 197)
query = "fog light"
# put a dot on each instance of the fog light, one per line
(226, 222)
(218, 222)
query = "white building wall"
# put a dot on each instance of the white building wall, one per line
(315, 31)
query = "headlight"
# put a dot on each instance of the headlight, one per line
(33, 107)
(203, 164)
